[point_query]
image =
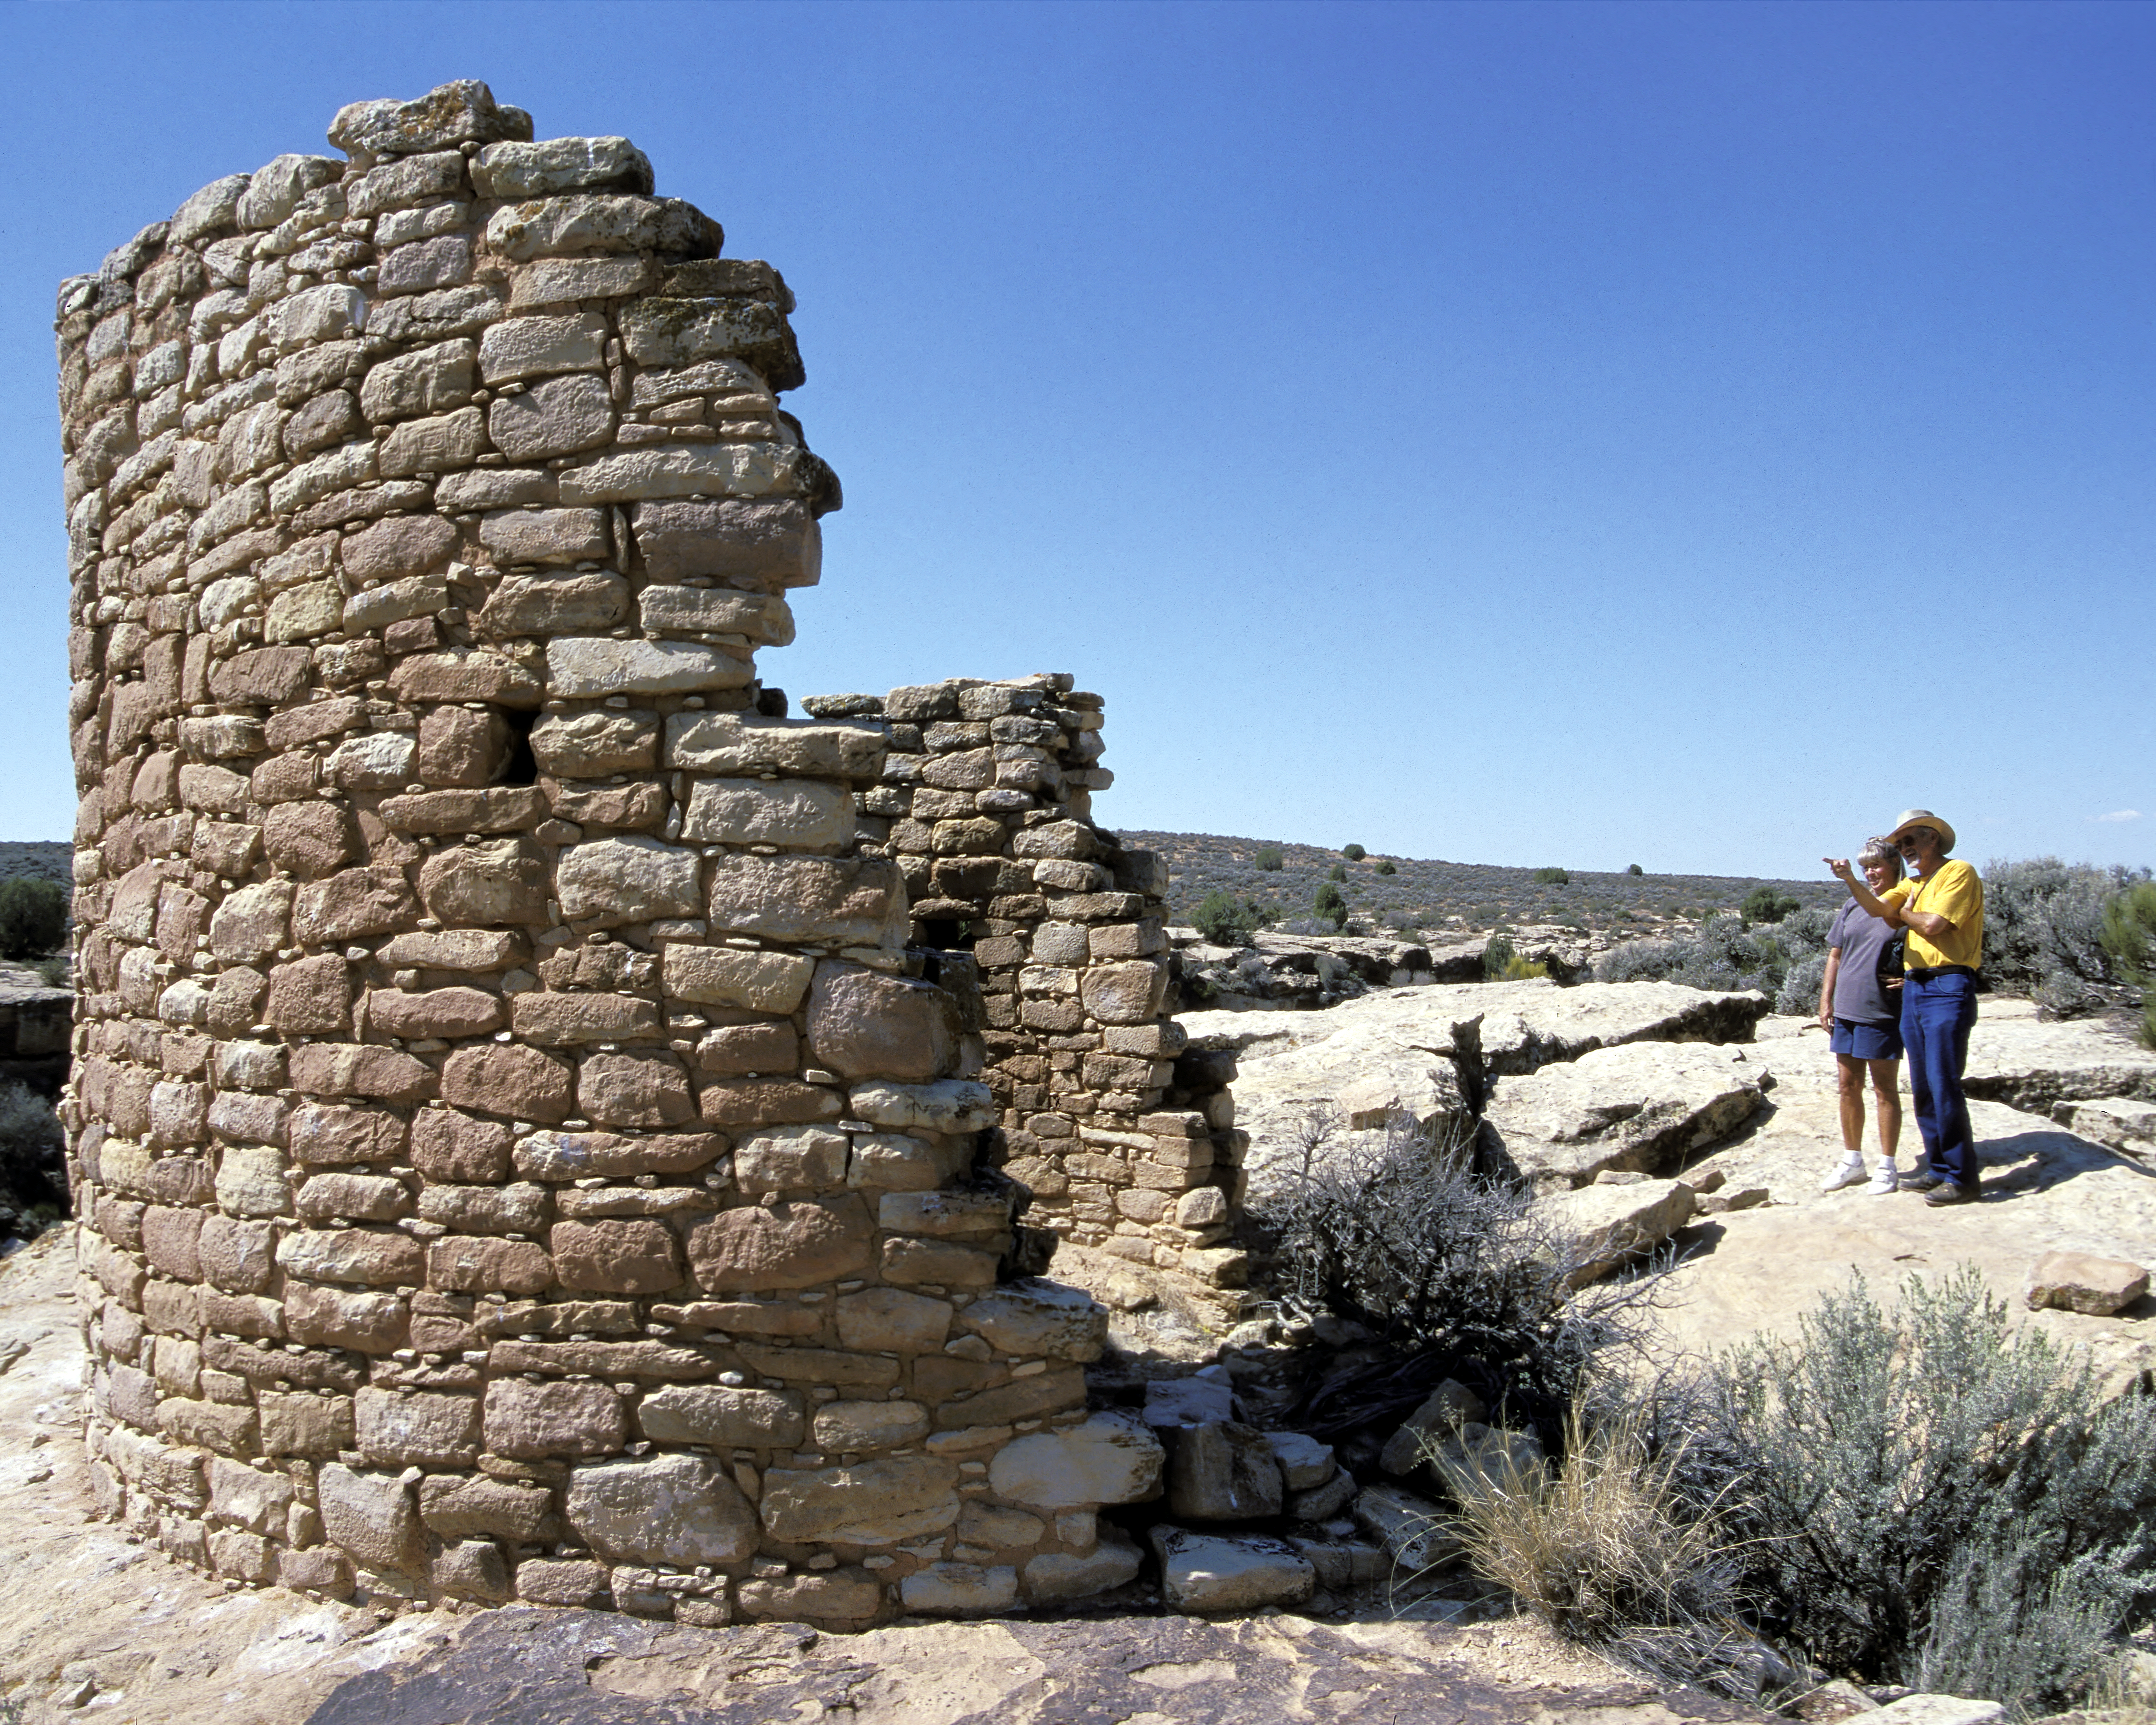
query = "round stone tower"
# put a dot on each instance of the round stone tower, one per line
(518, 1153)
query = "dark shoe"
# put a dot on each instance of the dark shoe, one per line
(1923, 1182)
(1950, 1192)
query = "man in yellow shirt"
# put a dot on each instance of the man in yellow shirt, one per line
(1941, 908)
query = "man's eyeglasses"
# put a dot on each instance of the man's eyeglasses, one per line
(1909, 840)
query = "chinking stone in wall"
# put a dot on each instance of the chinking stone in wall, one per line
(519, 1153)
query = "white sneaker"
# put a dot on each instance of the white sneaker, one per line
(1850, 1173)
(1887, 1179)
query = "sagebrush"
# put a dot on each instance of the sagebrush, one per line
(1906, 1466)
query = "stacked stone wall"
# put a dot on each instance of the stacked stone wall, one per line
(1126, 1140)
(517, 1152)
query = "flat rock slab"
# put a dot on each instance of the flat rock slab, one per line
(2076, 1281)
(2034, 1067)
(1420, 1053)
(2121, 1123)
(1611, 1226)
(1524, 1024)
(525, 1667)
(1639, 1107)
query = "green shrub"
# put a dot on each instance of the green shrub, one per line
(1385, 866)
(1268, 858)
(1353, 853)
(1763, 904)
(56, 972)
(2045, 923)
(1634, 869)
(1329, 905)
(33, 917)
(1553, 877)
(1338, 871)
(1227, 921)
(1520, 970)
(1941, 1498)
(1498, 956)
(2129, 937)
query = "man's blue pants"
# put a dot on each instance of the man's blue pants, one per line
(1938, 1014)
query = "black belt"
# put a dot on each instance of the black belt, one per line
(1925, 974)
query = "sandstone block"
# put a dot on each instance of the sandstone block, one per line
(352, 1254)
(2080, 1281)
(539, 346)
(850, 901)
(250, 1182)
(371, 1516)
(257, 1500)
(475, 1506)
(791, 1244)
(680, 1510)
(447, 1145)
(1216, 1572)
(937, 1263)
(649, 1092)
(1059, 1575)
(849, 1427)
(583, 667)
(342, 1069)
(752, 1101)
(434, 1012)
(890, 1321)
(705, 1414)
(343, 1317)
(430, 380)
(850, 1599)
(1305, 1462)
(546, 602)
(544, 536)
(445, 442)
(1037, 1318)
(519, 1207)
(463, 673)
(312, 840)
(1110, 1457)
(1445, 1410)
(470, 809)
(355, 1198)
(500, 880)
(320, 1132)
(529, 1421)
(764, 618)
(864, 1024)
(559, 1581)
(457, 746)
(237, 1257)
(952, 1589)
(403, 545)
(776, 541)
(633, 1257)
(585, 745)
(353, 903)
(745, 744)
(555, 418)
(944, 1214)
(530, 170)
(868, 1503)
(468, 1265)
(1221, 1471)
(795, 1158)
(948, 1105)
(611, 881)
(725, 976)
(470, 1569)
(417, 1429)
(565, 1020)
(251, 924)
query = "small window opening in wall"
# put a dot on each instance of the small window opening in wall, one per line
(951, 934)
(521, 767)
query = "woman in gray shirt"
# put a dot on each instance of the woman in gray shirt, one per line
(1860, 1010)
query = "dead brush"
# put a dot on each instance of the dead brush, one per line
(1610, 1550)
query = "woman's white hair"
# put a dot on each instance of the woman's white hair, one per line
(1881, 850)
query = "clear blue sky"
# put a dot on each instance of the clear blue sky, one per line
(1523, 434)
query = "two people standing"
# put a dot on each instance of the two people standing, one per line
(1941, 913)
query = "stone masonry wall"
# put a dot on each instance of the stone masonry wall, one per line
(518, 1155)
(1127, 1142)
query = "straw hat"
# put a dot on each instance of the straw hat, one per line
(1922, 818)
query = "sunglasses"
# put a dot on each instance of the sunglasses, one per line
(1909, 840)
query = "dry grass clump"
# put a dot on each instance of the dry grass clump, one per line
(1613, 1549)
